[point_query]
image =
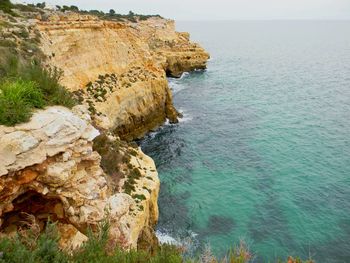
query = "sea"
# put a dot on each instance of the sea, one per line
(261, 157)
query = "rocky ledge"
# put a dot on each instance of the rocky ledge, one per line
(49, 170)
(74, 167)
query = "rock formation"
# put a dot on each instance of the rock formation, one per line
(73, 167)
(119, 68)
(174, 50)
(48, 169)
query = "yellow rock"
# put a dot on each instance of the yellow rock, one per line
(139, 55)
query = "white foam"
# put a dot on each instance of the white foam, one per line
(165, 238)
(185, 116)
(184, 75)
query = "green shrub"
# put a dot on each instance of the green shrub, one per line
(9, 66)
(48, 82)
(25, 8)
(23, 33)
(31, 247)
(25, 86)
(29, 46)
(41, 5)
(6, 6)
(72, 8)
(17, 97)
(110, 153)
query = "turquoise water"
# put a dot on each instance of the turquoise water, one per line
(263, 151)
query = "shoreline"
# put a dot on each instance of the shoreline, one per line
(120, 82)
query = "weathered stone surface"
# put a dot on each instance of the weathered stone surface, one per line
(174, 49)
(71, 238)
(137, 98)
(119, 204)
(27, 176)
(48, 166)
(64, 181)
(49, 132)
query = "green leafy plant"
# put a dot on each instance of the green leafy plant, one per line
(17, 97)
(25, 86)
(48, 82)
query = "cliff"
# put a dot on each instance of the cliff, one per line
(119, 68)
(73, 167)
(48, 169)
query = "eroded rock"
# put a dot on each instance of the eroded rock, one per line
(119, 69)
(64, 181)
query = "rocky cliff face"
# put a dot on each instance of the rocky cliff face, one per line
(119, 68)
(174, 50)
(48, 169)
(58, 165)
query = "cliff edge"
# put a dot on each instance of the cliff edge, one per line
(74, 167)
(50, 171)
(119, 68)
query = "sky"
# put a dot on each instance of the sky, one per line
(220, 9)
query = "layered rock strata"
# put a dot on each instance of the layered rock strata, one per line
(57, 166)
(119, 68)
(48, 169)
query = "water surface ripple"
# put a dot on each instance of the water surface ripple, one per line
(263, 152)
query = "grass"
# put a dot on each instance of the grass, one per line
(6, 6)
(26, 86)
(30, 246)
(17, 98)
(48, 83)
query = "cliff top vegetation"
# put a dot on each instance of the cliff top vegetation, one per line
(8, 7)
(111, 15)
(26, 86)
(24, 83)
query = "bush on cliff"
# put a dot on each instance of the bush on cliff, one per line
(6, 6)
(25, 86)
(29, 246)
(17, 97)
(48, 82)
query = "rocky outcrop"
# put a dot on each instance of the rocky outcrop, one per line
(174, 49)
(58, 166)
(119, 68)
(48, 169)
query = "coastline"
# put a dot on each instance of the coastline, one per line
(79, 179)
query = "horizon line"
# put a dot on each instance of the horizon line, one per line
(263, 20)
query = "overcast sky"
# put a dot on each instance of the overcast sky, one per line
(221, 9)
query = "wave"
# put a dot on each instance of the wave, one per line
(165, 238)
(189, 244)
(184, 75)
(175, 84)
(186, 117)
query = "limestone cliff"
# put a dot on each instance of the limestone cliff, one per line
(48, 169)
(174, 50)
(119, 68)
(72, 166)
